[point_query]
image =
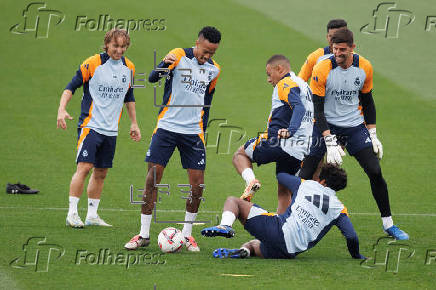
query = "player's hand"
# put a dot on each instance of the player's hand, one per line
(62, 114)
(334, 151)
(283, 133)
(376, 144)
(170, 58)
(135, 133)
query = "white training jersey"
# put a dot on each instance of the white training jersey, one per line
(312, 213)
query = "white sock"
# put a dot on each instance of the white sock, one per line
(92, 208)
(387, 222)
(246, 250)
(145, 225)
(227, 218)
(73, 201)
(248, 175)
(187, 227)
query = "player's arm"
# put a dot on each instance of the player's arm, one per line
(368, 108)
(291, 182)
(307, 67)
(156, 75)
(317, 85)
(170, 61)
(129, 101)
(75, 83)
(62, 110)
(344, 224)
(298, 111)
(135, 133)
(318, 108)
(208, 95)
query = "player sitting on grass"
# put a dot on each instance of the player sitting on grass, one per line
(313, 211)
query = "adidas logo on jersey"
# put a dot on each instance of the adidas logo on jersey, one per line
(368, 140)
(201, 162)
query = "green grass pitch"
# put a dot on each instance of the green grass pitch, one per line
(36, 70)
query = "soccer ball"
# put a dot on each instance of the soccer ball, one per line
(170, 240)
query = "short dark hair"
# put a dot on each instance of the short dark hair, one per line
(278, 58)
(336, 23)
(334, 176)
(343, 36)
(210, 33)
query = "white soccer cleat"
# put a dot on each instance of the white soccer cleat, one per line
(251, 188)
(191, 244)
(74, 221)
(97, 221)
(137, 242)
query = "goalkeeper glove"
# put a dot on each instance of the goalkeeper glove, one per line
(334, 151)
(376, 144)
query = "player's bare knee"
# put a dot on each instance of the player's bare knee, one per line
(83, 169)
(232, 199)
(240, 151)
(100, 173)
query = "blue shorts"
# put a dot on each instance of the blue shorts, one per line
(267, 228)
(354, 139)
(269, 150)
(95, 148)
(191, 148)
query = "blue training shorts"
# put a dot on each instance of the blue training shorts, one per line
(354, 139)
(267, 228)
(95, 148)
(191, 148)
(269, 150)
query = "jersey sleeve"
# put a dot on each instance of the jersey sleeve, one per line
(367, 68)
(155, 75)
(291, 182)
(129, 95)
(344, 224)
(84, 73)
(307, 67)
(319, 77)
(289, 92)
(208, 95)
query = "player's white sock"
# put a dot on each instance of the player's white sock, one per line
(73, 201)
(227, 218)
(387, 222)
(246, 250)
(145, 225)
(187, 227)
(248, 175)
(92, 207)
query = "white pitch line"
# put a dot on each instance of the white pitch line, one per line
(204, 211)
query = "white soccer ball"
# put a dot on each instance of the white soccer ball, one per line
(170, 240)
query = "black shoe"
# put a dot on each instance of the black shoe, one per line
(20, 188)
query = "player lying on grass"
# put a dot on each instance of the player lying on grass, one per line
(313, 211)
